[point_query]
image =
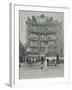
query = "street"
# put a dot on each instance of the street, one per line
(34, 71)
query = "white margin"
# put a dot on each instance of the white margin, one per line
(14, 46)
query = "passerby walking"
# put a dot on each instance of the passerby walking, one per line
(45, 64)
(42, 62)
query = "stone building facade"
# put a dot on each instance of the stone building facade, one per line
(43, 37)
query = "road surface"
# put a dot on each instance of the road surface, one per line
(34, 71)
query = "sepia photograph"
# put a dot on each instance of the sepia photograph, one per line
(41, 44)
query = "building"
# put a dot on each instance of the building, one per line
(43, 37)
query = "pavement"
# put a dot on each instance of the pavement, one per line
(34, 71)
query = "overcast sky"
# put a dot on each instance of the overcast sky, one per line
(23, 17)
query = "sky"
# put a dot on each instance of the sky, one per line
(23, 17)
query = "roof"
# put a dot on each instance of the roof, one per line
(41, 20)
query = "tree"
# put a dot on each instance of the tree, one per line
(22, 52)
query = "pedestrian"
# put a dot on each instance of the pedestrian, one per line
(55, 62)
(45, 64)
(47, 61)
(42, 62)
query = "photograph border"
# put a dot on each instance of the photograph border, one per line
(14, 44)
